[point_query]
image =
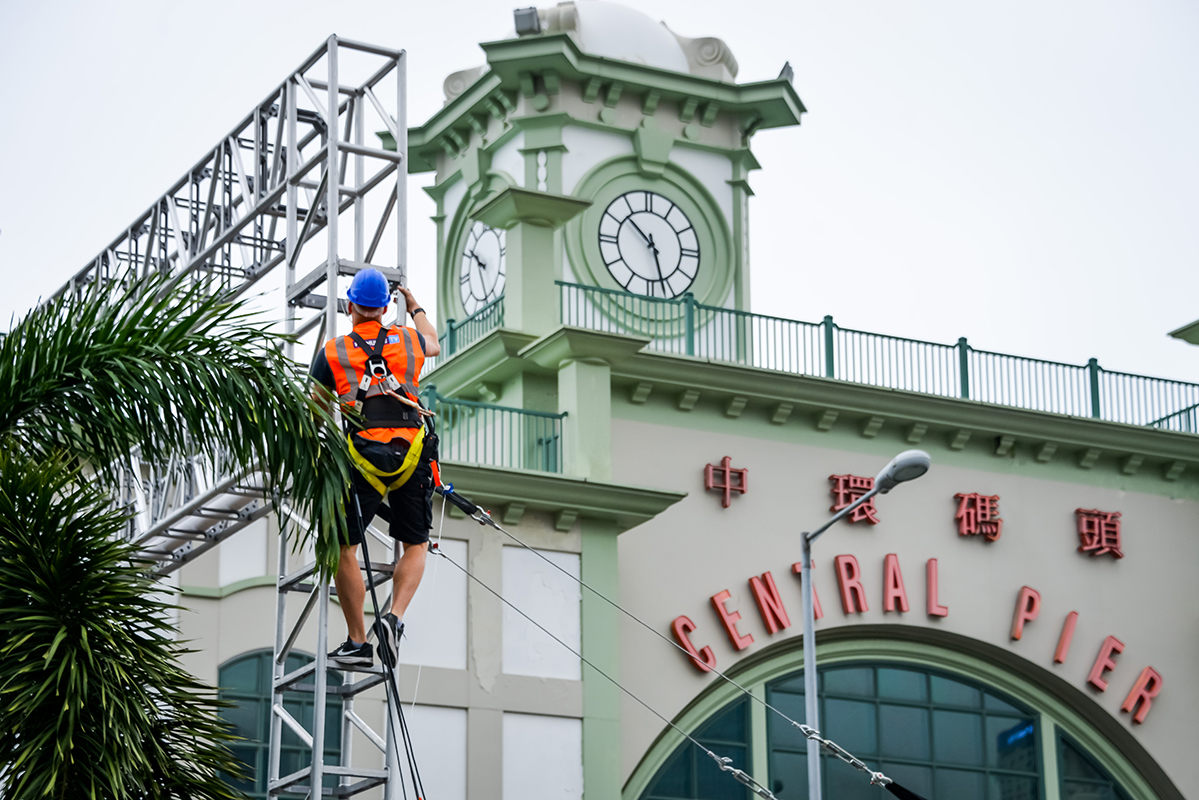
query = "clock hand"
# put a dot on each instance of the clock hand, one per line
(655, 249)
(478, 260)
(649, 242)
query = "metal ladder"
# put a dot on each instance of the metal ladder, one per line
(312, 679)
(298, 161)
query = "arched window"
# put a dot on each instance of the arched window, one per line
(939, 734)
(246, 682)
(941, 737)
(692, 775)
(1082, 778)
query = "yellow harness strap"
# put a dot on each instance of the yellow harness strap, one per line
(376, 477)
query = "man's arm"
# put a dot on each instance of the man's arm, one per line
(322, 381)
(422, 324)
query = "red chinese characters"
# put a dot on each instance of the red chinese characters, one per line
(724, 478)
(1098, 532)
(848, 488)
(978, 514)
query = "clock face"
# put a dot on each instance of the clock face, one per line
(648, 245)
(481, 276)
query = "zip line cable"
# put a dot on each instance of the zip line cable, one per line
(483, 517)
(723, 762)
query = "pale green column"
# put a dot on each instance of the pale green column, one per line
(759, 752)
(530, 218)
(585, 394)
(1048, 733)
(601, 646)
(530, 296)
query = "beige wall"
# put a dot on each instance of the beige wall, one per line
(222, 628)
(675, 563)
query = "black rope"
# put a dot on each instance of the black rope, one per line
(418, 786)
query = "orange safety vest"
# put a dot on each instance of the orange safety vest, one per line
(386, 417)
(404, 358)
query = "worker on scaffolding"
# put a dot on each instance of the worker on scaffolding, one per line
(373, 372)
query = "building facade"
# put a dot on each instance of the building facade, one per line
(1009, 626)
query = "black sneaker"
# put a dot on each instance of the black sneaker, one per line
(389, 629)
(353, 655)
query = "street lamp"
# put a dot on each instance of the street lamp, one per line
(906, 466)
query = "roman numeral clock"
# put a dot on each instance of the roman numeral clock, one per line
(481, 270)
(649, 245)
(658, 234)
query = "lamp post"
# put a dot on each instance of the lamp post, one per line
(906, 466)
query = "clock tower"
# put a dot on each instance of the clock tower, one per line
(599, 149)
(592, 190)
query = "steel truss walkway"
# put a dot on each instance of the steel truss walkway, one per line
(262, 198)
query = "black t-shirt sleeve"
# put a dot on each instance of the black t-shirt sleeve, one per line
(321, 372)
(420, 338)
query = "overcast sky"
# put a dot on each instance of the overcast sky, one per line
(1025, 174)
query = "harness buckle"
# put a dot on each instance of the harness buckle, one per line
(376, 367)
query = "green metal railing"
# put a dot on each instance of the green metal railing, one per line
(1186, 421)
(686, 327)
(460, 335)
(498, 436)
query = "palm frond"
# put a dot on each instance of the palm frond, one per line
(174, 371)
(93, 701)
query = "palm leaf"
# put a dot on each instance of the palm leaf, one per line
(172, 371)
(93, 701)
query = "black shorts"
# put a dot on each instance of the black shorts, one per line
(411, 507)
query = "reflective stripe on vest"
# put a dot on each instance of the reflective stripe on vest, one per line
(347, 361)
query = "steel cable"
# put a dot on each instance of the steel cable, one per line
(483, 517)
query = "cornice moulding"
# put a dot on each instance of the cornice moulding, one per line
(946, 412)
(627, 506)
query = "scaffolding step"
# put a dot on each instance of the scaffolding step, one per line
(370, 779)
(291, 681)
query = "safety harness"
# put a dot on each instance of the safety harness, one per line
(392, 405)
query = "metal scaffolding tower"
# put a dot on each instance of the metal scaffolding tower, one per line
(295, 174)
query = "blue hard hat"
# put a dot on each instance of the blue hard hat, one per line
(369, 289)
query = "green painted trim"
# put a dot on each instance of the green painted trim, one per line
(759, 732)
(424, 148)
(774, 102)
(514, 205)
(740, 151)
(216, 593)
(1047, 731)
(622, 506)
(574, 344)
(437, 191)
(449, 300)
(764, 104)
(1068, 708)
(900, 409)
(501, 356)
(438, 399)
(600, 569)
(613, 177)
(741, 194)
(491, 359)
(1187, 333)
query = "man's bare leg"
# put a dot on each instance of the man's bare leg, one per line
(351, 592)
(406, 578)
